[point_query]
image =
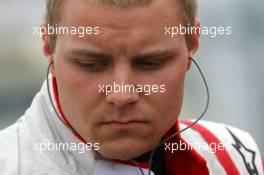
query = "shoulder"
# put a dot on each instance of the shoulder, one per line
(17, 147)
(19, 150)
(237, 147)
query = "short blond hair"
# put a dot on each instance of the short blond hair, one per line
(52, 16)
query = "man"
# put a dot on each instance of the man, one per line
(125, 46)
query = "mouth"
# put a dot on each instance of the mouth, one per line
(117, 125)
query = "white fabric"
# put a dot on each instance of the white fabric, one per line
(112, 168)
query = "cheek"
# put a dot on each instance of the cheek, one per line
(77, 93)
(68, 83)
(175, 89)
(169, 103)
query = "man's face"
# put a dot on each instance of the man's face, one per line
(130, 49)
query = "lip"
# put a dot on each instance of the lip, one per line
(116, 125)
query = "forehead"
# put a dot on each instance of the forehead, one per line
(96, 9)
(122, 26)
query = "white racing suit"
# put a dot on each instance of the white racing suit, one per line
(27, 148)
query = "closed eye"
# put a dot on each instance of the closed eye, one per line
(93, 65)
(150, 64)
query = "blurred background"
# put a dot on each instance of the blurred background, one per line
(233, 64)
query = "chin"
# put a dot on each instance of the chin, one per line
(125, 149)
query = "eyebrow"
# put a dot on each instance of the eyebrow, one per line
(160, 53)
(89, 53)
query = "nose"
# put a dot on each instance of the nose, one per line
(122, 99)
(126, 95)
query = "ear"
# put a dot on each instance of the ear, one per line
(194, 42)
(46, 44)
(47, 50)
